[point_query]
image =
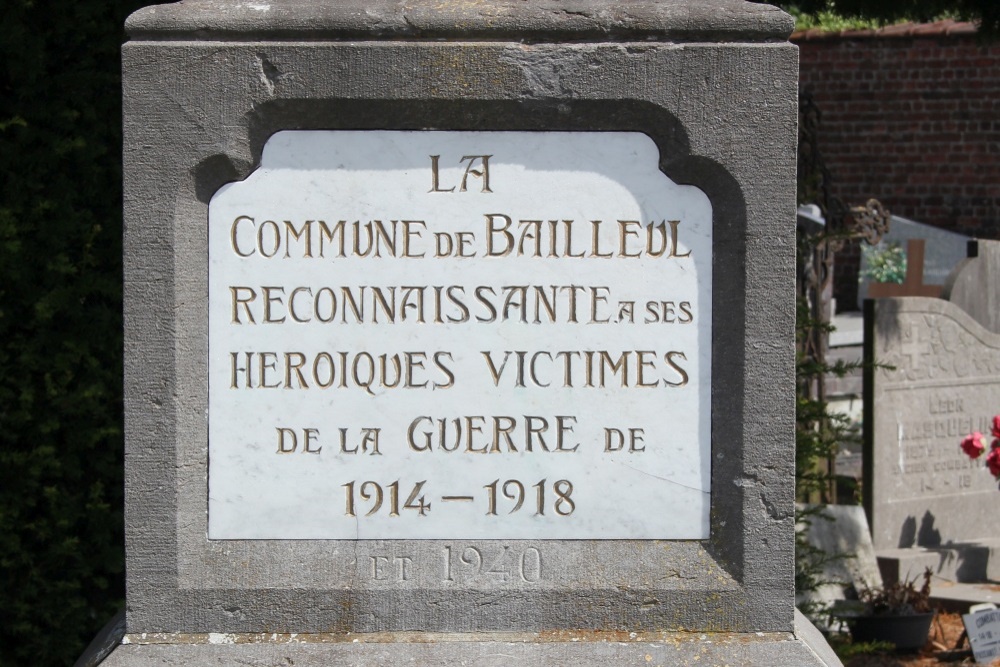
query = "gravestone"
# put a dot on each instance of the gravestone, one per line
(938, 380)
(841, 534)
(460, 334)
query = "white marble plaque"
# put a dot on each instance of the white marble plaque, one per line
(448, 335)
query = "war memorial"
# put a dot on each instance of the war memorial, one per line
(460, 333)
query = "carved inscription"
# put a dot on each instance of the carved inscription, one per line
(391, 568)
(448, 335)
(930, 462)
(499, 564)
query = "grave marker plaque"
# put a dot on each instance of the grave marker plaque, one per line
(459, 335)
(983, 628)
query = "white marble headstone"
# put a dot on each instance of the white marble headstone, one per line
(440, 335)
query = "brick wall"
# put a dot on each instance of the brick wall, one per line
(911, 117)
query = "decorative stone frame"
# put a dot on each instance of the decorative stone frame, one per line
(713, 83)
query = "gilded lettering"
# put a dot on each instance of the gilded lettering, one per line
(435, 176)
(483, 173)
(623, 237)
(242, 296)
(275, 238)
(669, 358)
(492, 230)
(294, 361)
(595, 247)
(272, 295)
(234, 233)
(409, 234)
(305, 232)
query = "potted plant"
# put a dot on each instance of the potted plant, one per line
(898, 613)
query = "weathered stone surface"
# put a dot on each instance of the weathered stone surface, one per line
(206, 84)
(842, 531)
(992, 559)
(545, 20)
(956, 597)
(956, 562)
(920, 488)
(806, 647)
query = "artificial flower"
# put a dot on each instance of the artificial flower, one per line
(974, 445)
(993, 462)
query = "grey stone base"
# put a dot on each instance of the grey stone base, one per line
(966, 562)
(957, 598)
(805, 648)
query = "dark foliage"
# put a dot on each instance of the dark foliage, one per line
(61, 547)
(900, 598)
(61, 553)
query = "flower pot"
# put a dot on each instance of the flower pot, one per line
(907, 633)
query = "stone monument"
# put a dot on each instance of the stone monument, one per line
(460, 332)
(939, 379)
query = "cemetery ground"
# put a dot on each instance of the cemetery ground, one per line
(946, 634)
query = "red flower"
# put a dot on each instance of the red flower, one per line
(993, 462)
(996, 426)
(974, 445)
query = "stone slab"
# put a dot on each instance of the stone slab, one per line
(956, 597)
(993, 560)
(944, 382)
(547, 20)
(803, 648)
(513, 345)
(960, 563)
(204, 90)
(971, 563)
(842, 530)
(851, 384)
(848, 331)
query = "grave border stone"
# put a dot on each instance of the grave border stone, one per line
(206, 84)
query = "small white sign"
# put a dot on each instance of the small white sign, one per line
(983, 629)
(447, 335)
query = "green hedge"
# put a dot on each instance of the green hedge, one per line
(61, 546)
(855, 14)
